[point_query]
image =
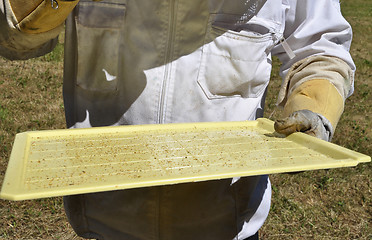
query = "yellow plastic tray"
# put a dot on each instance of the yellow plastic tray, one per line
(65, 162)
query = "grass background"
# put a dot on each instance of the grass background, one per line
(323, 204)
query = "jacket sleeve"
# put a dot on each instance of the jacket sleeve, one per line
(30, 28)
(320, 38)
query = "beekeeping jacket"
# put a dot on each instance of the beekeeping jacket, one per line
(154, 62)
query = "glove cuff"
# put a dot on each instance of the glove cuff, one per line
(319, 96)
(327, 127)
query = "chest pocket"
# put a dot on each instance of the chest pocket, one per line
(98, 26)
(236, 60)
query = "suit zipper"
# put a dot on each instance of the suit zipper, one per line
(168, 58)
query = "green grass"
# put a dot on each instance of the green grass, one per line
(324, 204)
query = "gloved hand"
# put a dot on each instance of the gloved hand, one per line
(38, 16)
(307, 122)
(314, 108)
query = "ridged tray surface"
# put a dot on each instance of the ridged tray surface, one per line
(73, 161)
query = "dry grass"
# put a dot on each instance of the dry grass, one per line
(332, 204)
(30, 99)
(325, 204)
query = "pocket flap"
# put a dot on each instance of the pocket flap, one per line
(101, 15)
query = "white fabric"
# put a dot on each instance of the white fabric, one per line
(317, 28)
(257, 220)
(140, 62)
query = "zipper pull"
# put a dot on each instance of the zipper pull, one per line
(287, 48)
(279, 37)
(54, 4)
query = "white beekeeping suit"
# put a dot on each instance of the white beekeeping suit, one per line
(146, 62)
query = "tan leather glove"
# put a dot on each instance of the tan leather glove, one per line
(313, 94)
(313, 108)
(38, 16)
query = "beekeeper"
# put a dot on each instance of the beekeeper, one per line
(146, 62)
